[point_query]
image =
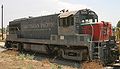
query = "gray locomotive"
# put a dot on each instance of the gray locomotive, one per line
(61, 34)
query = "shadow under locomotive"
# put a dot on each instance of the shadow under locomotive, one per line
(52, 59)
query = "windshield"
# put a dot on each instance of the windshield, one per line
(88, 16)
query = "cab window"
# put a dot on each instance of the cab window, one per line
(65, 22)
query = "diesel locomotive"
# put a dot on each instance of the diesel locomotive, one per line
(75, 35)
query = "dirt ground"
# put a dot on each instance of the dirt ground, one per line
(92, 65)
(12, 60)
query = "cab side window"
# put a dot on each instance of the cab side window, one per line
(65, 22)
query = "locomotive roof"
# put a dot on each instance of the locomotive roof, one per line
(66, 14)
(22, 19)
(90, 13)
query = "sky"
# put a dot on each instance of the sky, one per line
(107, 10)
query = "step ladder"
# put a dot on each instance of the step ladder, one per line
(95, 51)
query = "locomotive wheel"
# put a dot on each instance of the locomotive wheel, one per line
(7, 45)
(59, 53)
(85, 55)
(20, 47)
(49, 51)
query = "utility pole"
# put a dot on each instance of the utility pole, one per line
(2, 21)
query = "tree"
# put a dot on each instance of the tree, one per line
(118, 24)
(4, 29)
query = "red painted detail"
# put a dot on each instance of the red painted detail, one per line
(101, 30)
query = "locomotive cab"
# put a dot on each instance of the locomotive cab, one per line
(66, 23)
(69, 22)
